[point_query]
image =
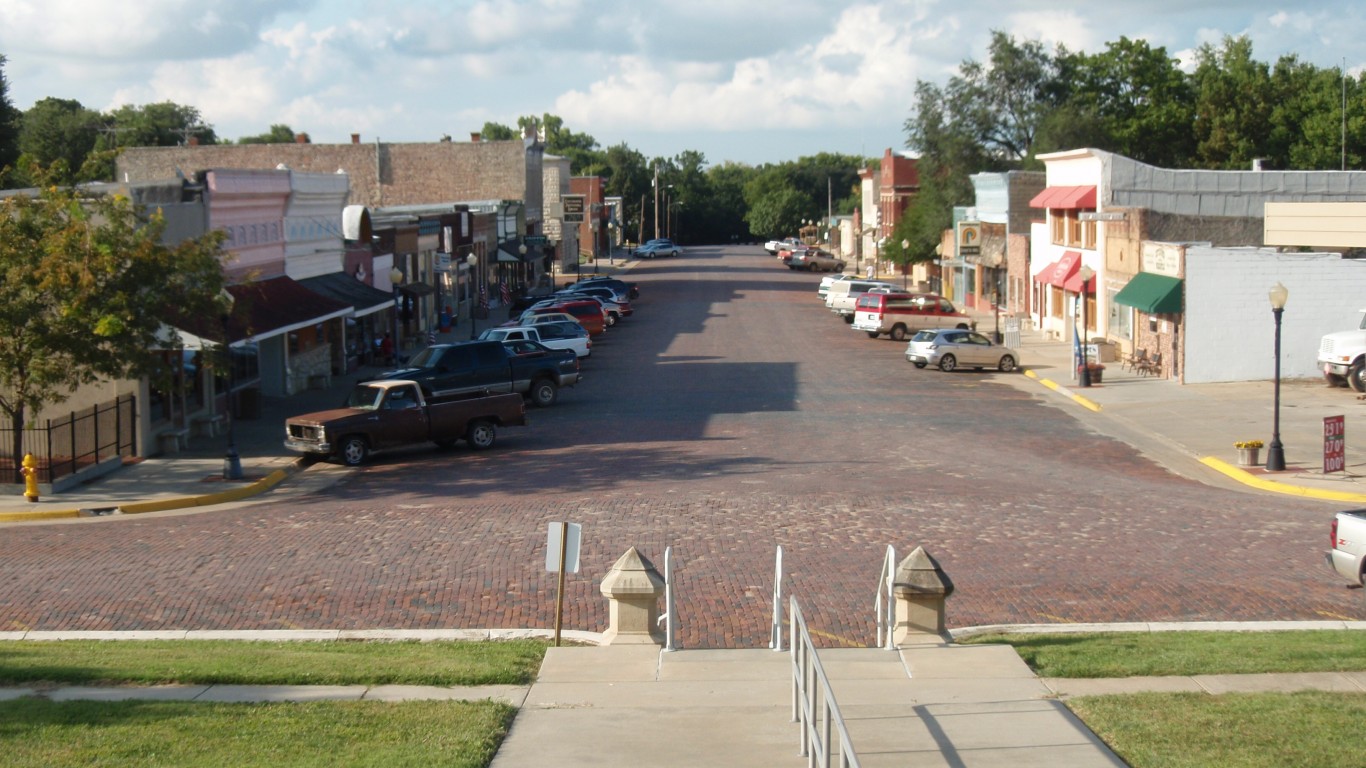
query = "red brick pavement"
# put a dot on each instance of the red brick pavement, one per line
(740, 419)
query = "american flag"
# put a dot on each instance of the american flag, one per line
(507, 293)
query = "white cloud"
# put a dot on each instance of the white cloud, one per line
(777, 78)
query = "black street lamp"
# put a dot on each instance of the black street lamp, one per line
(1086, 273)
(473, 261)
(1275, 455)
(396, 279)
(232, 461)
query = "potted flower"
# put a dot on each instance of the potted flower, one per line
(1094, 369)
(1247, 452)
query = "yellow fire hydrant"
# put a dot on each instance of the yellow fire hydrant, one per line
(30, 470)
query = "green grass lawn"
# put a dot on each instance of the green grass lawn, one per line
(1134, 654)
(94, 662)
(1184, 730)
(39, 732)
(162, 733)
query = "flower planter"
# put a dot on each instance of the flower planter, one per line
(1249, 457)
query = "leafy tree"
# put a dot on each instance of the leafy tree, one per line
(1234, 101)
(1136, 99)
(278, 134)
(86, 285)
(722, 211)
(58, 134)
(165, 124)
(497, 132)
(9, 126)
(627, 178)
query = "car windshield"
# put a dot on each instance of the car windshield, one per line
(365, 397)
(427, 358)
(924, 336)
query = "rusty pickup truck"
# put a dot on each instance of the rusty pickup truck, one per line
(392, 413)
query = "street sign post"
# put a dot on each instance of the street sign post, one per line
(561, 555)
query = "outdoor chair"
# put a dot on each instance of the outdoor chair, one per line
(1133, 361)
(1152, 366)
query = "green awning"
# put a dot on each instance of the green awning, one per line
(1154, 294)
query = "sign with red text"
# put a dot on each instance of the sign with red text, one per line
(1334, 444)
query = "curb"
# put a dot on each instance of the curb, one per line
(266, 483)
(1084, 402)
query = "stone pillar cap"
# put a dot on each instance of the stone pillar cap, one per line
(920, 575)
(632, 574)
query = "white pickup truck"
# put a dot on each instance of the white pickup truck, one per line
(1342, 357)
(786, 244)
(1348, 534)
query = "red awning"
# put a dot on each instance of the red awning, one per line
(1065, 197)
(1060, 271)
(1073, 283)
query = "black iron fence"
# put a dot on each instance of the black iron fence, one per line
(66, 445)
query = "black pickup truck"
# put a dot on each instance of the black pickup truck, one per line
(388, 414)
(489, 367)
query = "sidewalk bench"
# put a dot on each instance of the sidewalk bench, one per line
(206, 425)
(173, 441)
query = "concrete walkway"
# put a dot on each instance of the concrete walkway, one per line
(925, 705)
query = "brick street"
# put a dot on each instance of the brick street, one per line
(731, 415)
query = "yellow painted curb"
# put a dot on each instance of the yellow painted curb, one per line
(1084, 402)
(1249, 479)
(53, 514)
(161, 505)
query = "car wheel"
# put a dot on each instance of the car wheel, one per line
(947, 363)
(848, 319)
(963, 327)
(354, 451)
(814, 268)
(1355, 376)
(480, 434)
(611, 319)
(873, 334)
(544, 393)
(898, 333)
(919, 365)
(1007, 364)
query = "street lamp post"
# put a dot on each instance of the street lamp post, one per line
(1275, 455)
(473, 261)
(905, 263)
(1086, 273)
(396, 278)
(232, 461)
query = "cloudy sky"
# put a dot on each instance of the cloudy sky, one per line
(750, 81)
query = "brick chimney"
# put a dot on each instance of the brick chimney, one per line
(355, 138)
(301, 138)
(474, 138)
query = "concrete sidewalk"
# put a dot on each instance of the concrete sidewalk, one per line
(933, 705)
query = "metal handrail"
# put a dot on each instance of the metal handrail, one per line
(813, 702)
(775, 635)
(668, 618)
(885, 613)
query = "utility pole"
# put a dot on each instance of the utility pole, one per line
(655, 184)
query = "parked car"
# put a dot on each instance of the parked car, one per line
(588, 312)
(581, 346)
(842, 299)
(471, 367)
(829, 280)
(632, 289)
(814, 260)
(615, 310)
(544, 315)
(785, 244)
(952, 348)
(1347, 545)
(392, 413)
(659, 247)
(899, 315)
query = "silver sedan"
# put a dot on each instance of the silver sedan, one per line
(951, 348)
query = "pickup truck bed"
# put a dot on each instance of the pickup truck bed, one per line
(1348, 538)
